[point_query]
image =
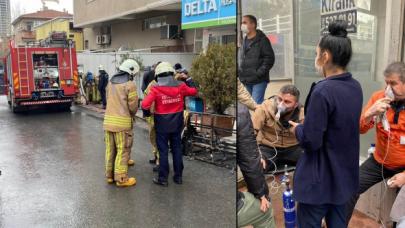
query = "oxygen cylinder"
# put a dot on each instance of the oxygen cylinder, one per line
(288, 206)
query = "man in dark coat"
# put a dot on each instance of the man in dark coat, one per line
(148, 77)
(254, 205)
(102, 84)
(256, 58)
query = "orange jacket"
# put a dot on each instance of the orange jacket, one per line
(395, 159)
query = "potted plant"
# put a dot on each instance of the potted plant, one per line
(214, 71)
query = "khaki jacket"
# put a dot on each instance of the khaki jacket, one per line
(244, 96)
(122, 104)
(265, 125)
(151, 84)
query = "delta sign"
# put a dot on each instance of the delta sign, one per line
(207, 13)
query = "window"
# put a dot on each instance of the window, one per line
(154, 22)
(105, 30)
(227, 39)
(36, 23)
(274, 18)
(198, 40)
(221, 39)
(29, 26)
(86, 44)
(367, 43)
(367, 61)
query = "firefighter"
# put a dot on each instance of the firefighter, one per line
(89, 84)
(152, 131)
(102, 84)
(168, 97)
(122, 102)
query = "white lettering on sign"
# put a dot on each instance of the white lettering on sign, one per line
(170, 100)
(333, 6)
(332, 10)
(200, 7)
(227, 2)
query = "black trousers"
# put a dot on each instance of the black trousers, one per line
(103, 97)
(285, 156)
(370, 174)
(310, 216)
(164, 141)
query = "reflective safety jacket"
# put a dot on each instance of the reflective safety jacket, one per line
(122, 103)
(168, 97)
(146, 92)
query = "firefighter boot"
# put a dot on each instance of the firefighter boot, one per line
(131, 181)
(131, 162)
(110, 180)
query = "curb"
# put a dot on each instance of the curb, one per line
(82, 108)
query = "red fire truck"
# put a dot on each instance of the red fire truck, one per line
(42, 73)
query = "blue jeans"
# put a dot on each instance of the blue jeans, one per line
(310, 216)
(162, 141)
(257, 91)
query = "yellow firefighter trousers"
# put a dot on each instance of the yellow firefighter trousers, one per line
(152, 135)
(118, 149)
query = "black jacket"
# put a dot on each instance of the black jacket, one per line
(256, 60)
(103, 80)
(148, 77)
(248, 155)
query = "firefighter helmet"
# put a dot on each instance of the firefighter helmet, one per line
(130, 66)
(164, 67)
(101, 67)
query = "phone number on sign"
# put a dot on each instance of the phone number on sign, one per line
(349, 16)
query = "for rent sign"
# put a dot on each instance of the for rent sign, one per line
(332, 10)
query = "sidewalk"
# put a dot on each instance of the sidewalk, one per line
(359, 220)
(96, 110)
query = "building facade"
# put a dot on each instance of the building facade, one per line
(150, 26)
(132, 25)
(24, 24)
(213, 20)
(60, 24)
(5, 18)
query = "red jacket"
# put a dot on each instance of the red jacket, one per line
(168, 96)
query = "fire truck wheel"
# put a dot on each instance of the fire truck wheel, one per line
(65, 108)
(14, 109)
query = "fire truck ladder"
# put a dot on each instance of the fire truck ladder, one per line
(22, 58)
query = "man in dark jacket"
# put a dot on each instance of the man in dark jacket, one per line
(102, 84)
(168, 96)
(256, 58)
(254, 205)
(148, 77)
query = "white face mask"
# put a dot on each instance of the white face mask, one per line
(281, 108)
(319, 69)
(389, 93)
(244, 28)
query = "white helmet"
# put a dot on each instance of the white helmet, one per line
(101, 67)
(164, 67)
(130, 66)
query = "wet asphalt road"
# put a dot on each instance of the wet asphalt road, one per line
(53, 176)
